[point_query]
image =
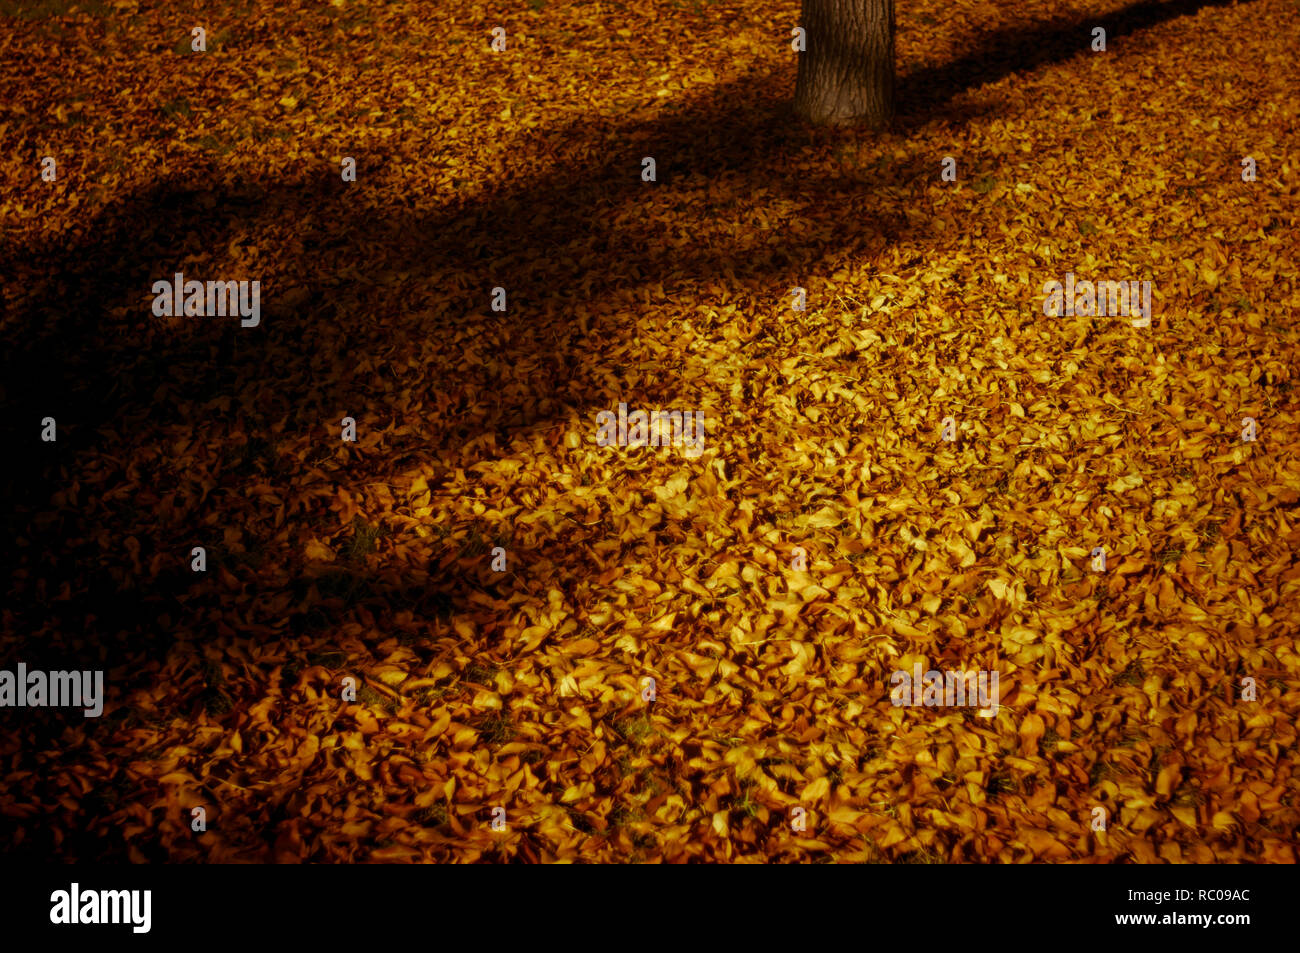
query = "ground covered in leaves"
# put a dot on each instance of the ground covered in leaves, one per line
(1121, 690)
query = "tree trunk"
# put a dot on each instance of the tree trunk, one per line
(846, 74)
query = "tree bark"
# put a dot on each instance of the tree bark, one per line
(846, 74)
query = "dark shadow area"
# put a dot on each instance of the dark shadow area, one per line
(926, 94)
(115, 378)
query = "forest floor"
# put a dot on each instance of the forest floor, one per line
(650, 653)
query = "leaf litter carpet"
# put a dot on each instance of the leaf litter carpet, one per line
(1123, 690)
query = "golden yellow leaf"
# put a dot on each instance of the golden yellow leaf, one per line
(815, 790)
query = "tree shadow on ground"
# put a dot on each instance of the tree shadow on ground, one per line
(931, 93)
